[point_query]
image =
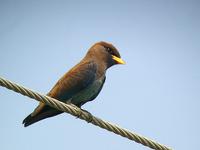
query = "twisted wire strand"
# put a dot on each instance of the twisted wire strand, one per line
(75, 111)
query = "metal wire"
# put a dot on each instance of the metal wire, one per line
(75, 111)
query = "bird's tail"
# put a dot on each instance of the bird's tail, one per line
(45, 113)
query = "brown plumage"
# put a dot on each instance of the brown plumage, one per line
(80, 84)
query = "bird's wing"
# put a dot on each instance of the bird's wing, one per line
(78, 78)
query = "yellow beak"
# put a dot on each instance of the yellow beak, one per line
(118, 60)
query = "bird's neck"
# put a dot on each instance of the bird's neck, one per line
(101, 66)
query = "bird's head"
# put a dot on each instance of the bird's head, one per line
(105, 53)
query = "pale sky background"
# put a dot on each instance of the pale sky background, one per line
(156, 94)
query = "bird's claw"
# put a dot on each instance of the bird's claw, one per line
(79, 114)
(90, 116)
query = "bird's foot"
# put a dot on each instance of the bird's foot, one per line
(69, 103)
(90, 116)
(79, 112)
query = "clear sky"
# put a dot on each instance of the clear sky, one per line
(156, 94)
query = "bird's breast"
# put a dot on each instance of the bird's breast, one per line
(89, 93)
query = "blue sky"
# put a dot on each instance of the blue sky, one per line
(156, 94)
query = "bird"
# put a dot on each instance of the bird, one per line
(80, 84)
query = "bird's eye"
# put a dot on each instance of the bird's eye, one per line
(108, 49)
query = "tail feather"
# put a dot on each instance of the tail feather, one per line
(44, 114)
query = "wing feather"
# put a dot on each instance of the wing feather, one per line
(78, 78)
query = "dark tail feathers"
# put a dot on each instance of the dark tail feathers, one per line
(45, 114)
